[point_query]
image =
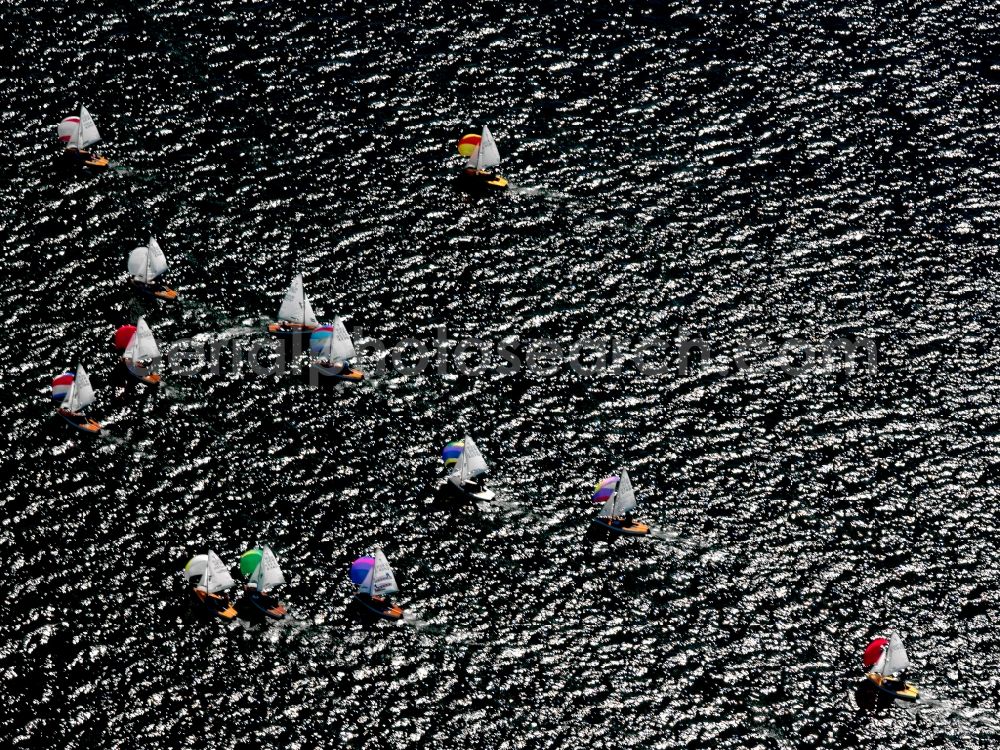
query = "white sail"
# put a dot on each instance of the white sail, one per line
(626, 495)
(340, 347)
(295, 307)
(380, 580)
(470, 463)
(81, 393)
(147, 262)
(69, 131)
(460, 473)
(142, 345)
(88, 132)
(893, 658)
(268, 573)
(196, 566)
(138, 263)
(486, 154)
(216, 576)
(475, 464)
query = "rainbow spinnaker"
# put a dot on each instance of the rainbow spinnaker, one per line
(605, 489)
(319, 341)
(452, 452)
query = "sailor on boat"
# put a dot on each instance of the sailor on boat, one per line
(618, 501)
(375, 581)
(72, 391)
(79, 132)
(484, 154)
(887, 662)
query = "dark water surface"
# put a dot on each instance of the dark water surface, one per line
(762, 171)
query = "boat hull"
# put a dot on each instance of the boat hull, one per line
(330, 373)
(275, 612)
(152, 378)
(634, 529)
(485, 494)
(481, 182)
(907, 692)
(146, 290)
(215, 604)
(378, 607)
(82, 424)
(288, 331)
(87, 159)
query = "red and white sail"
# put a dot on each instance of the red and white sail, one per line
(79, 131)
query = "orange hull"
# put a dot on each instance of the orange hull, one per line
(88, 426)
(393, 612)
(153, 378)
(634, 529)
(216, 604)
(288, 330)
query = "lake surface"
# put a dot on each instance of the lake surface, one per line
(744, 194)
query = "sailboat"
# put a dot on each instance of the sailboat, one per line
(475, 175)
(333, 345)
(466, 477)
(145, 264)
(74, 398)
(618, 500)
(295, 316)
(375, 583)
(142, 354)
(213, 578)
(885, 658)
(79, 132)
(261, 567)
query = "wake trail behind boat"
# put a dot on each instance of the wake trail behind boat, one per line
(964, 713)
(420, 626)
(541, 193)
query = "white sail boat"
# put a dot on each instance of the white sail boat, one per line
(892, 662)
(335, 349)
(80, 395)
(470, 467)
(78, 133)
(145, 264)
(376, 585)
(484, 156)
(263, 579)
(142, 354)
(614, 514)
(215, 578)
(295, 316)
